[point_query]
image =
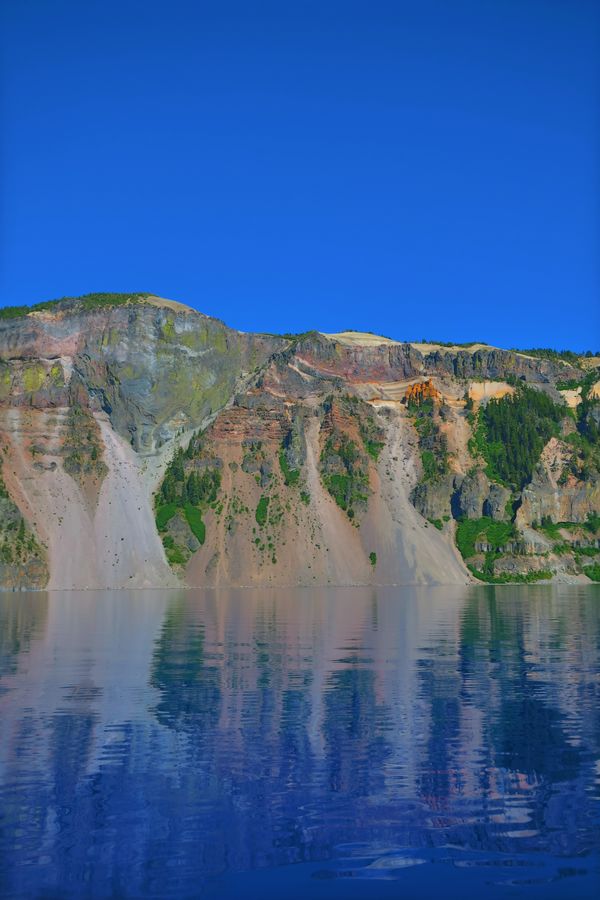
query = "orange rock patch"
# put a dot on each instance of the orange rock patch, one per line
(421, 391)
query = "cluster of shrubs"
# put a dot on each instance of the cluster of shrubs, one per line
(344, 463)
(17, 543)
(186, 490)
(344, 471)
(432, 443)
(82, 450)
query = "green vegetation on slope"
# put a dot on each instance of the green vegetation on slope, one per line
(593, 572)
(16, 312)
(343, 465)
(194, 519)
(584, 383)
(494, 536)
(290, 476)
(518, 578)
(371, 433)
(190, 486)
(432, 443)
(296, 337)
(344, 471)
(82, 448)
(183, 484)
(593, 523)
(510, 434)
(262, 510)
(164, 514)
(484, 530)
(18, 546)
(553, 529)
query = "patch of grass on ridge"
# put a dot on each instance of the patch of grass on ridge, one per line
(164, 514)
(194, 520)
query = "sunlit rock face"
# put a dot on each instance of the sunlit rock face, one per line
(153, 367)
(145, 444)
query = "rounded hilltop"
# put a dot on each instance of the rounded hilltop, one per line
(90, 302)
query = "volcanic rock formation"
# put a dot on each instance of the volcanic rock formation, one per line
(143, 443)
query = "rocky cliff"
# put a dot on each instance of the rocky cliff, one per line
(145, 444)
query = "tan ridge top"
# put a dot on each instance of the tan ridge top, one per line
(365, 339)
(425, 347)
(359, 338)
(170, 304)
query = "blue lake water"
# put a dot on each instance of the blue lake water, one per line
(346, 743)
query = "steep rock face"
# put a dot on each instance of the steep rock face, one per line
(304, 460)
(313, 489)
(433, 499)
(152, 368)
(323, 525)
(475, 496)
(393, 361)
(495, 504)
(547, 496)
(461, 496)
(471, 492)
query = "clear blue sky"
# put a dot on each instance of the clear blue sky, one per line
(419, 169)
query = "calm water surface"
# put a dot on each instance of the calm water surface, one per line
(346, 743)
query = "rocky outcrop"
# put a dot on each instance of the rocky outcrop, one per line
(552, 496)
(433, 498)
(572, 502)
(470, 495)
(461, 496)
(496, 503)
(475, 496)
(420, 392)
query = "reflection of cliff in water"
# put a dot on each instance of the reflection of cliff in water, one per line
(261, 728)
(505, 663)
(318, 696)
(22, 616)
(189, 681)
(506, 725)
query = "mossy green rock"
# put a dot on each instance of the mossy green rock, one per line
(154, 367)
